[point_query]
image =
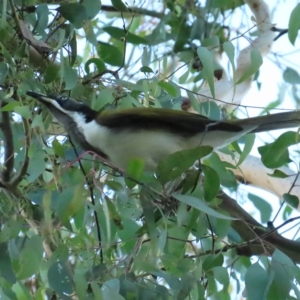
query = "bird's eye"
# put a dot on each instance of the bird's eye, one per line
(63, 98)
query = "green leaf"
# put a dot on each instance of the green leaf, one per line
(210, 109)
(224, 4)
(106, 96)
(276, 154)
(283, 269)
(146, 69)
(263, 207)
(211, 183)
(70, 77)
(42, 12)
(9, 230)
(146, 57)
(98, 62)
(187, 283)
(60, 277)
(3, 72)
(256, 280)
(6, 270)
(89, 33)
(24, 111)
(212, 41)
(92, 8)
(230, 51)
(119, 5)
(128, 235)
(172, 166)
(31, 257)
(73, 47)
(81, 285)
(221, 275)
(256, 62)
(61, 39)
(70, 202)
(10, 105)
(74, 12)
(148, 210)
(227, 177)
(110, 54)
(51, 73)
(200, 205)
(170, 87)
(292, 200)
(278, 174)
(38, 122)
(58, 148)
(208, 67)
(128, 286)
(249, 142)
(294, 24)
(135, 170)
(291, 76)
(212, 261)
(36, 162)
(119, 33)
(183, 78)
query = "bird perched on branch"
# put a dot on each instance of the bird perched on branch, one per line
(151, 133)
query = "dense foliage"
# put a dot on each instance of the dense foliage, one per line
(74, 227)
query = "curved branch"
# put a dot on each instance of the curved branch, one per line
(254, 234)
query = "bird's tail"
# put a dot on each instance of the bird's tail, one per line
(271, 122)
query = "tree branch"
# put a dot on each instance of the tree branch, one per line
(253, 233)
(135, 10)
(255, 173)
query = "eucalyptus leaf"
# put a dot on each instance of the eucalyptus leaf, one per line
(172, 166)
(276, 154)
(60, 277)
(119, 5)
(256, 62)
(208, 67)
(211, 183)
(292, 200)
(294, 24)
(170, 87)
(110, 54)
(135, 170)
(278, 174)
(256, 282)
(74, 12)
(230, 51)
(291, 76)
(201, 205)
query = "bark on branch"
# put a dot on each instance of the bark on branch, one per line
(257, 238)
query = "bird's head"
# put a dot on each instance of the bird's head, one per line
(65, 109)
(76, 117)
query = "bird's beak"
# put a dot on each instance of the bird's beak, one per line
(40, 97)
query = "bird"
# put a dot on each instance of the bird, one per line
(151, 134)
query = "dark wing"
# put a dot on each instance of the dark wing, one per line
(179, 122)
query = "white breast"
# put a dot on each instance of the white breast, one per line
(151, 146)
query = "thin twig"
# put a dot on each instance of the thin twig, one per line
(92, 199)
